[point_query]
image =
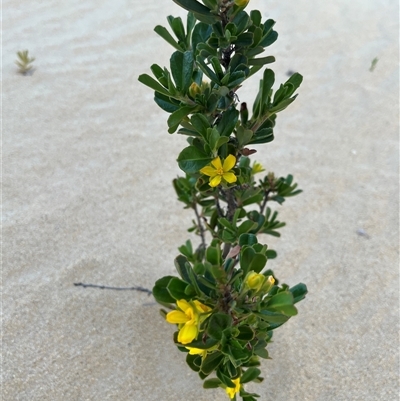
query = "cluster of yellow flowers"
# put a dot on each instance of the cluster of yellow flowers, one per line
(190, 314)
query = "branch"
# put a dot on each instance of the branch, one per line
(105, 287)
(262, 207)
(219, 209)
(201, 228)
(232, 205)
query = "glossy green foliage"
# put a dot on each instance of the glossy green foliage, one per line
(224, 296)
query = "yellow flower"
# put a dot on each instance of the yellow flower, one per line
(231, 391)
(257, 168)
(218, 171)
(189, 317)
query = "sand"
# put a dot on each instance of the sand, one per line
(87, 197)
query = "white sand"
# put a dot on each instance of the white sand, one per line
(88, 165)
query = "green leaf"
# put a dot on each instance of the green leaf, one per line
(228, 237)
(200, 344)
(246, 256)
(296, 79)
(177, 26)
(159, 74)
(267, 82)
(182, 68)
(211, 362)
(190, 23)
(247, 239)
(282, 105)
(271, 254)
(207, 70)
(227, 224)
(217, 67)
(218, 322)
(207, 283)
(200, 122)
(269, 39)
(160, 291)
(153, 84)
(262, 60)
(283, 303)
(192, 159)
(228, 121)
(213, 255)
(272, 317)
(243, 136)
(246, 226)
(255, 16)
(168, 37)
(193, 361)
(267, 27)
(176, 288)
(212, 383)
(245, 333)
(244, 40)
(262, 353)
(249, 375)
(165, 102)
(211, 4)
(176, 117)
(299, 292)
(258, 262)
(201, 33)
(221, 141)
(225, 379)
(236, 78)
(201, 12)
(187, 249)
(212, 138)
(264, 135)
(242, 21)
(182, 267)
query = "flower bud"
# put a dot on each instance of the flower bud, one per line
(254, 281)
(244, 113)
(241, 3)
(257, 168)
(268, 284)
(194, 90)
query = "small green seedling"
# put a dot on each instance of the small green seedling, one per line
(24, 61)
(374, 62)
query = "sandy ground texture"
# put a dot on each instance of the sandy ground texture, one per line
(87, 197)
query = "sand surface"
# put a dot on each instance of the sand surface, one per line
(87, 197)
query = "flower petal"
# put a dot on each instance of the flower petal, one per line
(187, 334)
(201, 308)
(217, 163)
(229, 163)
(215, 181)
(229, 177)
(176, 316)
(232, 391)
(196, 351)
(208, 170)
(183, 304)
